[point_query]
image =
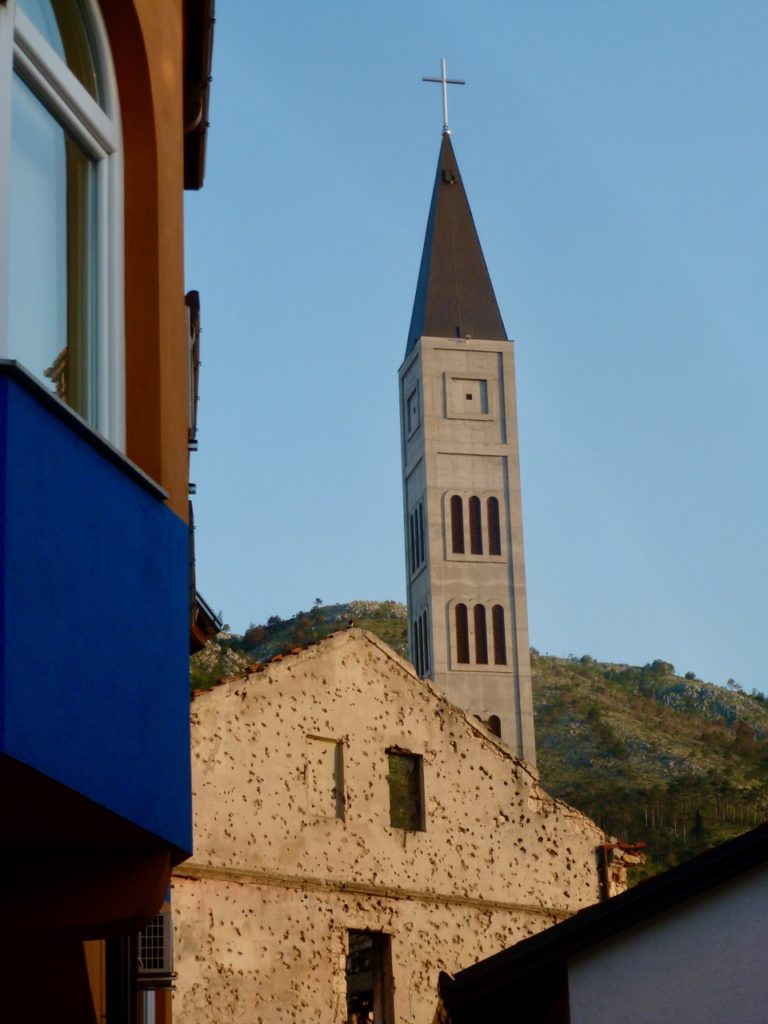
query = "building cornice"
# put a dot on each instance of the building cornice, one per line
(251, 876)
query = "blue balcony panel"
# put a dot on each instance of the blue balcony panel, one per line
(94, 619)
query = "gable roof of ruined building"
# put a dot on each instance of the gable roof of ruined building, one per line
(283, 665)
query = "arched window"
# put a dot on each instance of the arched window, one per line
(494, 530)
(481, 635)
(420, 641)
(62, 195)
(494, 725)
(457, 525)
(462, 634)
(499, 636)
(423, 642)
(420, 646)
(414, 538)
(416, 543)
(425, 634)
(475, 527)
(412, 542)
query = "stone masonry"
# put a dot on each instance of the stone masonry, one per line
(294, 846)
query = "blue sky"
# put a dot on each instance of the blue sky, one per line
(614, 155)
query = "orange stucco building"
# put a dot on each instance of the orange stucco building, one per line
(103, 118)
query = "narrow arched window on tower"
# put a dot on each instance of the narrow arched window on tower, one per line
(475, 527)
(416, 546)
(494, 531)
(457, 525)
(499, 636)
(415, 646)
(462, 635)
(422, 658)
(481, 635)
(427, 645)
(412, 540)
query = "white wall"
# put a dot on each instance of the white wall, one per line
(703, 962)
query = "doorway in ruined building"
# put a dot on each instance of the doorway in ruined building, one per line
(369, 978)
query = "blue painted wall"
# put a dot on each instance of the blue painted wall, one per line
(94, 619)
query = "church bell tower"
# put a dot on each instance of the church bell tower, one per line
(467, 614)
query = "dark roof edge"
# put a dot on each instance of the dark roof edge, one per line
(602, 920)
(199, 19)
(420, 298)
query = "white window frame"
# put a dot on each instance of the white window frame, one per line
(98, 131)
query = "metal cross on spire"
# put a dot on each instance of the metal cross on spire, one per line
(445, 82)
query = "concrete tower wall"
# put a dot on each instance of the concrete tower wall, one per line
(459, 430)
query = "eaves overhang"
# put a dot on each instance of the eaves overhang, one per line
(198, 56)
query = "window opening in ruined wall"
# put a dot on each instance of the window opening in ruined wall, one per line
(406, 789)
(369, 978)
(324, 776)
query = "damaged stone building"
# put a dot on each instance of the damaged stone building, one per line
(356, 833)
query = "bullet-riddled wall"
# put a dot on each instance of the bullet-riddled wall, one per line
(295, 780)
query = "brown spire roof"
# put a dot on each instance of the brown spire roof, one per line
(454, 295)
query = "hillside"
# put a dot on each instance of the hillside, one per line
(230, 653)
(675, 762)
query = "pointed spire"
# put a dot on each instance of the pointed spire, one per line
(454, 295)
